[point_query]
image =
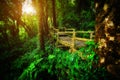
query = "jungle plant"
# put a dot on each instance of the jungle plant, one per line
(59, 65)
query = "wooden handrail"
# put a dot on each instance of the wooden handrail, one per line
(66, 32)
(90, 32)
(84, 31)
(73, 33)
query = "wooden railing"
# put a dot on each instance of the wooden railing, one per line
(67, 32)
(71, 33)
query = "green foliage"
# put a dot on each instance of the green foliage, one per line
(62, 65)
(88, 51)
(1, 23)
(30, 44)
(30, 24)
(71, 20)
(22, 33)
(87, 21)
(58, 64)
(75, 13)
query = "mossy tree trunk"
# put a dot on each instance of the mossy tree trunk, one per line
(107, 34)
(43, 24)
(54, 13)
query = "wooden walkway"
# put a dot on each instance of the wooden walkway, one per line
(68, 38)
(67, 41)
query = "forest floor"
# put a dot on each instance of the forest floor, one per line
(15, 63)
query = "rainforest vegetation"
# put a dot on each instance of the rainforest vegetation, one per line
(29, 48)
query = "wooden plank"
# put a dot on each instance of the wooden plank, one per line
(70, 29)
(84, 31)
(66, 32)
(65, 43)
(82, 39)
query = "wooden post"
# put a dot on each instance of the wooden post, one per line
(73, 41)
(57, 36)
(91, 35)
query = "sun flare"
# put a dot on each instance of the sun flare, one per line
(28, 8)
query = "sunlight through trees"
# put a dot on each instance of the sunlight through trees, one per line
(27, 7)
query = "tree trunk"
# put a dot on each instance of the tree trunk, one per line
(46, 27)
(107, 25)
(41, 25)
(54, 14)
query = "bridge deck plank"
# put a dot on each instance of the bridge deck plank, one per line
(67, 41)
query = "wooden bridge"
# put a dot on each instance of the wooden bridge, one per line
(68, 38)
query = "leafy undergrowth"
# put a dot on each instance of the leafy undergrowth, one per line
(60, 65)
(15, 60)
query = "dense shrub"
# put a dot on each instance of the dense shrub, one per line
(62, 65)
